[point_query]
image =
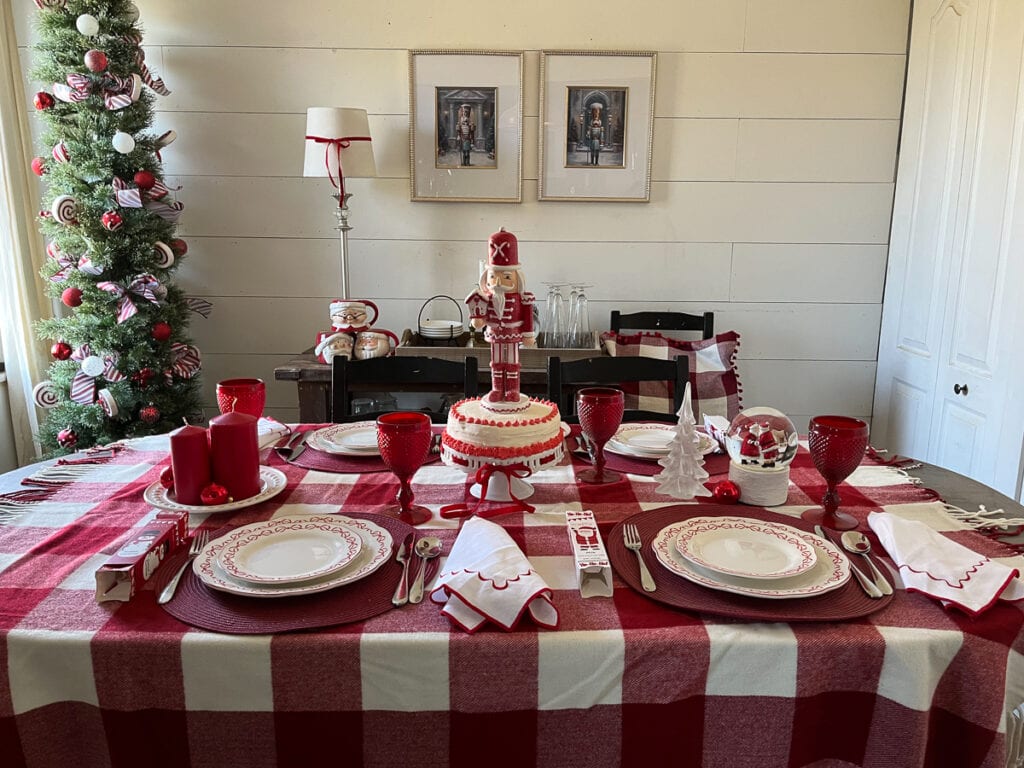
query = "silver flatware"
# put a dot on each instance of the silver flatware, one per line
(295, 447)
(286, 445)
(199, 540)
(401, 596)
(857, 543)
(426, 548)
(631, 538)
(866, 584)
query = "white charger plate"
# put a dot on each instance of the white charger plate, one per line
(738, 546)
(288, 550)
(831, 570)
(272, 482)
(651, 441)
(374, 552)
(358, 438)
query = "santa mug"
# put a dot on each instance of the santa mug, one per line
(330, 345)
(375, 343)
(353, 315)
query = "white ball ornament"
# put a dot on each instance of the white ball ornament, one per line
(93, 366)
(123, 142)
(87, 24)
(132, 14)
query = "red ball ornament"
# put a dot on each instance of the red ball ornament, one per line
(149, 414)
(145, 180)
(72, 297)
(61, 350)
(43, 100)
(161, 331)
(214, 494)
(95, 61)
(38, 166)
(179, 246)
(111, 220)
(167, 478)
(142, 377)
(727, 492)
(67, 438)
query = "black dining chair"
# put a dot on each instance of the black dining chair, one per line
(664, 321)
(398, 374)
(565, 379)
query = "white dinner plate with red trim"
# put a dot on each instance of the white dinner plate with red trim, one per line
(358, 438)
(374, 552)
(272, 482)
(831, 570)
(740, 546)
(288, 550)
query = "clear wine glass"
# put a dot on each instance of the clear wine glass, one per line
(600, 413)
(837, 445)
(404, 440)
(580, 328)
(571, 318)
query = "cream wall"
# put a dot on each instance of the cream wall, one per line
(775, 139)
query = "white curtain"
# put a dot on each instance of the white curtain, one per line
(22, 298)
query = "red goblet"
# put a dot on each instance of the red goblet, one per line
(600, 412)
(242, 395)
(837, 445)
(404, 441)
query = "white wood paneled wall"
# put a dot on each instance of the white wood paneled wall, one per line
(774, 152)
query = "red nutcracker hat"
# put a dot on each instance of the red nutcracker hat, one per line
(503, 250)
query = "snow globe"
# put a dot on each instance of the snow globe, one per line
(762, 443)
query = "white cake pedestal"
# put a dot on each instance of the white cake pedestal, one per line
(502, 487)
(760, 488)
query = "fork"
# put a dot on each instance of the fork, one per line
(199, 540)
(631, 538)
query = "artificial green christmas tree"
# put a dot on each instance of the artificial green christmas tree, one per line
(124, 365)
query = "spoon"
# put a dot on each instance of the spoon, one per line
(857, 543)
(426, 548)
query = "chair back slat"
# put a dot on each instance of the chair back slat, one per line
(664, 321)
(565, 379)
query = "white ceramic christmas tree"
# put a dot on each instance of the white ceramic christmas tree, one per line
(684, 474)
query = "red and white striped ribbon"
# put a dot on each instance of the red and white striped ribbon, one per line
(65, 264)
(198, 305)
(154, 82)
(144, 286)
(185, 362)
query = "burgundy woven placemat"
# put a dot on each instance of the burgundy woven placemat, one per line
(311, 458)
(847, 602)
(196, 604)
(714, 463)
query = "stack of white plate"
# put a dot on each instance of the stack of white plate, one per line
(295, 555)
(441, 329)
(358, 438)
(751, 557)
(650, 441)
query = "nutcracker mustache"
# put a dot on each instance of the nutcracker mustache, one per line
(498, 298)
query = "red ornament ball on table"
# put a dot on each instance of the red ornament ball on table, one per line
(67, 438)
(95, 61)
(43, 100)
(161, 331)
(167, 478)
(111, 220)
(726, 492)
(149, 414)
(38, 166)
(179, 246)
(61, 350)
(145, 180)
(214, 494)
(72, 297)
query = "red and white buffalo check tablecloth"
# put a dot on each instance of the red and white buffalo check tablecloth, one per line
(624, 681)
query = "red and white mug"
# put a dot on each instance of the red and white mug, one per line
(375, 343)
(353, 315)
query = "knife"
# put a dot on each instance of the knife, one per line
(404, 554)
(294, 447)
(866, 584)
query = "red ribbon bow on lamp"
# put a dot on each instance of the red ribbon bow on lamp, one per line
(339, 144)
(483, 477)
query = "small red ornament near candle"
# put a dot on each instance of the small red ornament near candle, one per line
(38, 166)
(235, 454)
(111, 220)
(149, 414)
(43, 100)
(145, 180)
(179, 246)
(190, 463)
(61, 350)
(67, 438)
(726, 492)
(214, 494)
(95, 61)
(167, 478)
(161, 331)
(72, 297)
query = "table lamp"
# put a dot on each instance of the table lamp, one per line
(338, 146)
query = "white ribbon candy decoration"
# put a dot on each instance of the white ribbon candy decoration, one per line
(44, 394)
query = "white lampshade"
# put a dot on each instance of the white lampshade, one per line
(338, 123)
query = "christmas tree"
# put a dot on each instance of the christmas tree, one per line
(684, 473)
(124, 365)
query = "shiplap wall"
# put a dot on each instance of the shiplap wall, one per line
(775, 134)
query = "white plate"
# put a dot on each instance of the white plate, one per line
(831, 570)
(356, 439)
(288, 550)
(272, 482)
(738, 546)
(374, 552)
(633, 449)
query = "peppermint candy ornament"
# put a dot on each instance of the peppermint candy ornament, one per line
(60, 152)
(111, 220)
(107, 403)
(164, 255)
(44, 394)
(64, 210)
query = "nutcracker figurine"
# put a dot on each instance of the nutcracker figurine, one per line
(502, 304)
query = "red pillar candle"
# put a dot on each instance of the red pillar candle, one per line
(190, 463)
(235, 449)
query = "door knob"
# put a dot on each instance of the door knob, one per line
(960, 389)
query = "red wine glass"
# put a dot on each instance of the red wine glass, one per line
(241, 395)
(600, 413)
(837, 445)
(404, 441)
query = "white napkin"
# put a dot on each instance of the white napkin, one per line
(270, 430)
(488, 578)
(941, 568)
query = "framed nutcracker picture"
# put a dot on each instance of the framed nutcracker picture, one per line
(596, 125)
(466, 125)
